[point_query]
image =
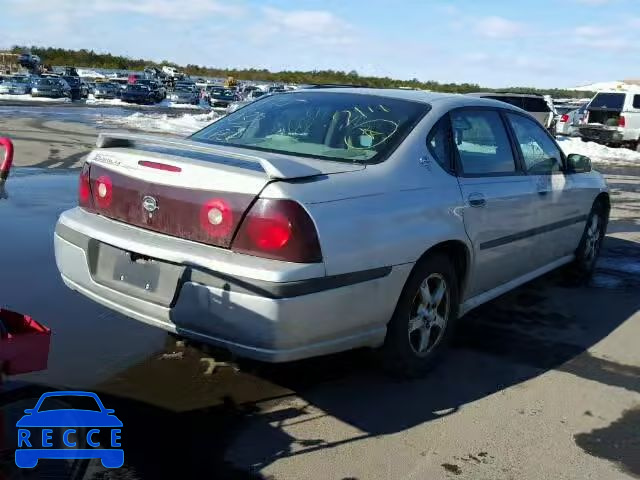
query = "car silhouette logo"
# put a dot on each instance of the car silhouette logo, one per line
(50, 432)
(150, 204)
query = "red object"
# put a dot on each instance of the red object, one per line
(622, 122)
(278, 229)
(564, 118)
(26, 346)
(159, 166)
(84, 187)
(5, 166)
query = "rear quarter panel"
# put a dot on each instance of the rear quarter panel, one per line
(387, 214)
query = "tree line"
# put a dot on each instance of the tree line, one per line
(91, 59)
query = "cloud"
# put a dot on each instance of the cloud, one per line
(595, 2)
(601, 38)
(166, 9)
(499, 27)
(169, 9)
(316, 26)
(591, 32)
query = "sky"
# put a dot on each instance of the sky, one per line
(494, 43)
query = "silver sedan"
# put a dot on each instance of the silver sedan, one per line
(313, 222)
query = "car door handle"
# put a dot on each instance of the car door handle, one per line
(477, 200)
(543, 192)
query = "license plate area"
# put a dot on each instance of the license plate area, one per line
(136, 274)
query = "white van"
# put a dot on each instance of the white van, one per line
(613, 118)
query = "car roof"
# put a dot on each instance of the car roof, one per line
(504, 94)
(449, 100)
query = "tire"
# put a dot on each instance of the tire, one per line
(418, 333)
(590, 244)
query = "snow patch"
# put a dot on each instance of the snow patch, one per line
(182, 125)
(85, 72)
(91, 100)
(606, 86)
(29, 98)
(599, 154)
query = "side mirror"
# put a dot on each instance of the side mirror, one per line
(29, 411)
(578, 163)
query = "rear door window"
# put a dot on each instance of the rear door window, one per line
(636, 101)
(482, 143)
(608, 101)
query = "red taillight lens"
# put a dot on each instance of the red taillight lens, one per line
(564, 118)
(84, 187)
(278, 229)
(216, 218)
(622, 122)
(103, 191)
(269, 234)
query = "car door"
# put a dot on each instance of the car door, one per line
(561, 204)
(498, 211)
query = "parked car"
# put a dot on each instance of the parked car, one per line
(249, 234)
(221, 99)
(158, 91)
(141, 94)
(185, 93)
(535, 104)
(16, 85)
(28, 60)
(106, 90)
(54, 87)
(570, 119)
(613, 118)
(79, 89)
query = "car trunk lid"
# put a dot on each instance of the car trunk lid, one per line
(185, 188)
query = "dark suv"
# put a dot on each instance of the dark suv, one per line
(79, 89)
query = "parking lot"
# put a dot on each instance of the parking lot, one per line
(542, 383)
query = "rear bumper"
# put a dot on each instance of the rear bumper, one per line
(601, 135)
(264, 320)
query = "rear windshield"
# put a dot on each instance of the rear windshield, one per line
(609, 101)
(333, 126)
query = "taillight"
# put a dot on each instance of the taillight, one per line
(564, 118)
(84, 187)
(278, 229)
(622, 122)
(103, 191)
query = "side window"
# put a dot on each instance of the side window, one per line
(636, 101)
(482, 142)
(439, 143)
(540, 154)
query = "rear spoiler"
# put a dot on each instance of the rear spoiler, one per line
(278, 168)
